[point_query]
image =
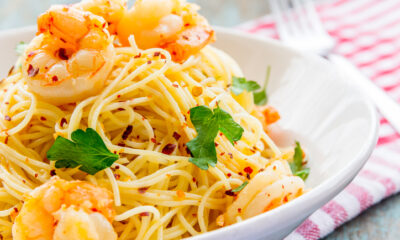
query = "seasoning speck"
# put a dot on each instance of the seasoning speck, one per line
(176, 135)
(7, 118)
(169, 149)
(127, 132)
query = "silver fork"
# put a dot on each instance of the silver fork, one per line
(299, 26)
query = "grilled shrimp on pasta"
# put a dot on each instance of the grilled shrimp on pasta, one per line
(71, 56)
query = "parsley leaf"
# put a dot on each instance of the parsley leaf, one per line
(261, 97)
(208, 123)
(86, 150)
(240, 188)
(241, 84)
(297, 165)
(20, 48)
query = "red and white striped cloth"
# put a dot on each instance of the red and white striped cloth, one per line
(368, 34)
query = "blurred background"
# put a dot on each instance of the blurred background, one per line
(18, 13)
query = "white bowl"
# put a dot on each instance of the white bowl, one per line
(333, 121)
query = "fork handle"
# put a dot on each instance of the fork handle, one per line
(387, 106)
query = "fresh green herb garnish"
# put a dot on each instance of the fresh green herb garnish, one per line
(207, 123)
(240, 188)
(20, 48)
(261, 97)
(241, 84)
(86, 150)
(297, 165)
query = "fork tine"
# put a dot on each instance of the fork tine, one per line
(290, 18)
(301, 19)
(314, 20)
(278, 16)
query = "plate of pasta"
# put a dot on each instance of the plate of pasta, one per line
(145, 122)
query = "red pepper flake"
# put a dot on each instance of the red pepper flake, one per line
(138, 56)
(230, 155)
(142, 190)
(156, 54)
(104, 25)
(169, 149)
(216, 144)
(6, 140)
(274, 168)
(117, 176)
(221, 134)
(16, 210)
(175, 85)
(144, 214)
(31, 54)
(240, 173)
(127, 132)
(36, 175)
(229, 175)
(194, 179)
(6, 103)
(118, 96)
(248, 176)
(283, 186)
(117, 167)
(285, 199)
(176, 136)
(248, 170)
(54, 78)
(174, 53)
(62, 54)
(185, 37)
(43, 118)
(10, 71)
(239, 210)
(261, 170)
(53, 172)
(187, 24)
(115, 152)
(153, 140)
(149, 62)
(163, 56)
(63, 122)
(230, 193)
(32, 71)
(188, 151)
(194, 214)
(222, 154)
(7, 118)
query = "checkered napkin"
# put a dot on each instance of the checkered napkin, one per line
(368, 34)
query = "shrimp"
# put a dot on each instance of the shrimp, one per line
(267, 115)
(62, 210)
(173, 25)
(111, 10)
(267, 190)
(71, 56)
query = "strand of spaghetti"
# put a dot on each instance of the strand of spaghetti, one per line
(160, 222)
(186, 224)
(77, 114)
(200, 211)
(7, 212)
(19, 159)
(127, 229)
(138, 210)
(114, 186)
(28, 116)
(145, 182)
(12, 192)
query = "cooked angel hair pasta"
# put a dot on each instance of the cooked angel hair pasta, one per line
(142, 114)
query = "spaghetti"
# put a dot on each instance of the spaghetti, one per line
(142, 114)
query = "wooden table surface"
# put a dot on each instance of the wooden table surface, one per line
(379, 222)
